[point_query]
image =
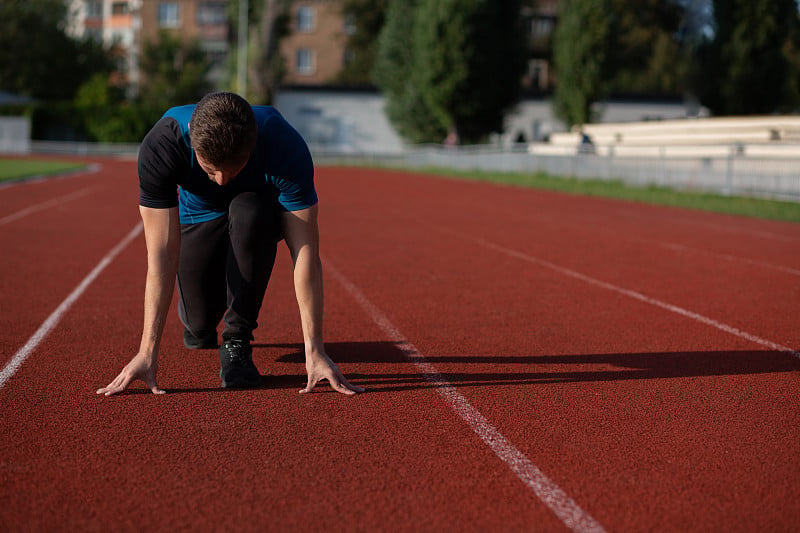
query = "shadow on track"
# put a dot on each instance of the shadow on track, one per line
(502, 370)
(543, 369)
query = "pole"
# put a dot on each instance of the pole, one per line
(241, 66)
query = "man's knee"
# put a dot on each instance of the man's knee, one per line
(254, 216)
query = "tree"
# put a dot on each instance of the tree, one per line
(583, 44)
(464, 66)
(648, 57)
(745, 65)
(174, 72)
(265, 64)
(37, 58)
(367, 18)
(392, 72)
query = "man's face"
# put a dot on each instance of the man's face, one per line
(219, 175)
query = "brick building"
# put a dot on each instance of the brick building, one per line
(314, 52)
(125, 25)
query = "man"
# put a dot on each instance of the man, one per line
(220, 184)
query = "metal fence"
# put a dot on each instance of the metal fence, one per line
(731, 174)
(737, 173)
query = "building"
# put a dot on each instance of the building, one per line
(539, 18)
(314, 52)
(125, 25)
(316, 49)
(116, 24)
(205, 21)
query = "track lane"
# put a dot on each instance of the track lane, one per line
(201, 456)
(641, 439)
(49, 251)
(611, 344)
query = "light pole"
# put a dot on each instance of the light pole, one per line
(241, 66)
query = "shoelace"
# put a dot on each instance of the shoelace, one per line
(236, 353)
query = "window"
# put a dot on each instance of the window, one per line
(305, 19)
(348, 57)
(119, 8)
(542, 27)
(211, 13)
(305, 61)
(349, 24)
(94, 34)
(168, 15)
(94, 9)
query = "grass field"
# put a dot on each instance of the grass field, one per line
(12, 169)
(735, 205)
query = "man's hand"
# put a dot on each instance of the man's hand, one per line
(319, 366)
(140, 367)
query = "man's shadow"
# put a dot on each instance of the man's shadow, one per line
(494, 370)
(501, 370)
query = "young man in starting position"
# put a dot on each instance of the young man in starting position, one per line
(220, 184)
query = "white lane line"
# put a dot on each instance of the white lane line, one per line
(52, 321)
(545, 489)
(44, 205)
(728, 257)
(627, 292)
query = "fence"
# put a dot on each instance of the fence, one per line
(732, 170)
(728, 171)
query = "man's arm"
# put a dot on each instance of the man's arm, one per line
(162, 235)
(302, 236)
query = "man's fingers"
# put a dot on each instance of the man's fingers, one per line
(150, 381)
(312, 382)
(354, 388)
(339, 387)
(124, 379)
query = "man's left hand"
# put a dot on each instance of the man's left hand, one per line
(319, 366)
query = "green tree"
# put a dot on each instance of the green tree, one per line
(583, 48)
(746, 69)
(174, 72)
(469, 61)
(648, 56)
(108, 117)
(270, 22)
(392, 72)
(367, 18)
(37, 58)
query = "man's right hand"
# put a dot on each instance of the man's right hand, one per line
(140, 367)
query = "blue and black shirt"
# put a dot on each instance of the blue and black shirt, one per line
(169, 174)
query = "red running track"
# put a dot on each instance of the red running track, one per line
(534, 362)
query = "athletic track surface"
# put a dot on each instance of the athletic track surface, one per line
(533, 361)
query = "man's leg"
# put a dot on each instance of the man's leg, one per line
(202, 289)
(254, 228)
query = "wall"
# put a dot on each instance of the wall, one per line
(15, 135)
(354, 121)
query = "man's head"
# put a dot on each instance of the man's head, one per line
(223, 133)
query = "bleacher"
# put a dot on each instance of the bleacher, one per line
(761, 136)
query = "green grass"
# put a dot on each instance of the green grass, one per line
(734, 205)
(13, 169)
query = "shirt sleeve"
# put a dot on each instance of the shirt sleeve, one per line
(293, 175)
(162, 159)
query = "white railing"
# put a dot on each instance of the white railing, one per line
(740, 170)
(728, 170)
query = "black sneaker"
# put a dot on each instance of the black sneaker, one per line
(236, 364)
(205, 343)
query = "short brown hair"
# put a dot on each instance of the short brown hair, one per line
(223, 129)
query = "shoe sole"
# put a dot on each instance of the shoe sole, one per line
(240, 384)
